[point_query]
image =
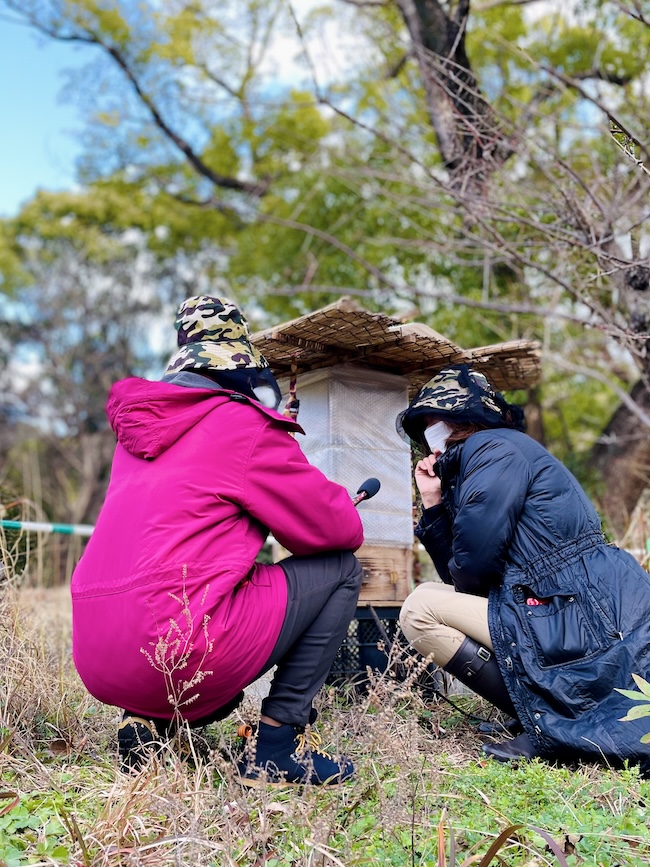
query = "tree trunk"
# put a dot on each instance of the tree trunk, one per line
(622, 456)
(470, 137)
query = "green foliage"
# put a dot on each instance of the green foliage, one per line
(284, 139)
(221, 153)
(12, 269)
(576, 409)
(599, 42)
(31, 830)
(642, 708)
(96, 16)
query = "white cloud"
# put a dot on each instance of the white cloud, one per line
(330, 48)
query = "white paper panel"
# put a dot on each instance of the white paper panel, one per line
(348, 415)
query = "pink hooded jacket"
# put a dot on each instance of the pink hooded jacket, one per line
(170, 610)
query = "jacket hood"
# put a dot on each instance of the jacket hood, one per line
(148, 417)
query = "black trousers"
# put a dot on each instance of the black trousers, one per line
(323, 592)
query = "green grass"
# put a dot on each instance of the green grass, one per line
(422, 793)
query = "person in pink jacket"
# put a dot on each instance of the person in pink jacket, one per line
(172, 615)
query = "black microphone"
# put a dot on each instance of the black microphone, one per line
(366, 490)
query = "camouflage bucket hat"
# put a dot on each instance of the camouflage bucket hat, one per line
(458, 394)
(213, 334)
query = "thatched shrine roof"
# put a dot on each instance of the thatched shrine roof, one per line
(345, 332)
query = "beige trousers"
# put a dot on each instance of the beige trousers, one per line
(436, 620)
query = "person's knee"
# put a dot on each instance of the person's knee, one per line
(421, 627)
(415, 615)
(406, 619)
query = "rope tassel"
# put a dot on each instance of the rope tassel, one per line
(293, 403)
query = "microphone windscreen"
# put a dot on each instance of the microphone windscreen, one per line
(369, 487)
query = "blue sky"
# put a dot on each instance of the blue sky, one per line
(37, 141)
(38, 147)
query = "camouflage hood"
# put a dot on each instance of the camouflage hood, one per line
(458, 394)
(212, 335)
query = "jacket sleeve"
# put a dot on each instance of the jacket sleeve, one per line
(306, 512)
(491, 496)
(434, 531)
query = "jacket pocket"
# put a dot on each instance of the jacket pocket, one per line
(558, 627)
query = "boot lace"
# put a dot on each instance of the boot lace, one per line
(311, 742)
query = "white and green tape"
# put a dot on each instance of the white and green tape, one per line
(42, 527)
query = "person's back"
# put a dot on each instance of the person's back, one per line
(512, 502)
(549, 507)
(192, 469)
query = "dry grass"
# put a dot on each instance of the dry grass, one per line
(420, 797)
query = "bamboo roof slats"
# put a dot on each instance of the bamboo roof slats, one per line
(346, 332)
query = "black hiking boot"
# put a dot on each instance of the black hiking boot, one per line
(136, 738)
(495, 727)
(287, 755)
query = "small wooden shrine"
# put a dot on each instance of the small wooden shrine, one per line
(355, 371)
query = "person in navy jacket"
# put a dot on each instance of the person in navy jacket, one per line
(536, 612)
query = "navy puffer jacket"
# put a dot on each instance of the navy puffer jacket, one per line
(569, 614)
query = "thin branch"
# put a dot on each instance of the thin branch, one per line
(622, 395)
(496, 4)
(602, 75)
(637, 15)
(627, 145)
(573, 83)
(330, 239)
(396, 68)
(303, 44)
(372, 3)
(256, 189)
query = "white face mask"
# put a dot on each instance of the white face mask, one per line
(266, 396)
(436, 436)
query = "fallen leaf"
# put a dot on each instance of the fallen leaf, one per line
(12, 797)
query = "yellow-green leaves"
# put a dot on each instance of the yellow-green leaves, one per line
(642, 708)
(99, 18)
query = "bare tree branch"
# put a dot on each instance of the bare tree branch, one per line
(496, 4)
(573, 82)
(636, 13)
(563, 364)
